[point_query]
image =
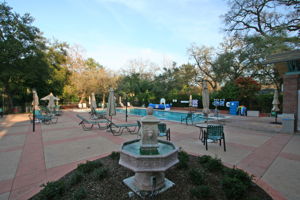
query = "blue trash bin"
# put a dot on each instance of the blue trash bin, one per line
(233, 107)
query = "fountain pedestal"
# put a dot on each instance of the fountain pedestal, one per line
(149, 158)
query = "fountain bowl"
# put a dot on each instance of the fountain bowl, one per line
(149, 169)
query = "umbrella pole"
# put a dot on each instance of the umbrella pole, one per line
(126, 109)
(33, 118)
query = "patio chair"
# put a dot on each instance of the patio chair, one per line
(117, 129)
(189, 116)
(163, 131)
(214, 133)
(84, 122)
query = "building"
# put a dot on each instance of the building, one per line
(288, 66)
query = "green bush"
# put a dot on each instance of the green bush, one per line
(197, 176)
(115, 155)
(75, 178)
(89, 166)
(99, 174)
(183, 158)
(240, 175)
(79, 194)
(202, 191)
(53, 190)
(213, 164)
(233, 188)
(204, 159)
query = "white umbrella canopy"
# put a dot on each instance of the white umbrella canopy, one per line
(51, 98)
(35, 102)
(205, 98)
(93, 101)
(275, 102)
(111, 106)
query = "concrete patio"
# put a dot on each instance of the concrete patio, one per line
(29, 159)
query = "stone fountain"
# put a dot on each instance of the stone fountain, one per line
(149, 158)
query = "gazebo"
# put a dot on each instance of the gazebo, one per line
(288, 66)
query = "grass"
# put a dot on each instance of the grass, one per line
(194, 177)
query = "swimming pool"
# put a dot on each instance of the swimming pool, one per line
(163, 115)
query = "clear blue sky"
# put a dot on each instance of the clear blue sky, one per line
(116, 31)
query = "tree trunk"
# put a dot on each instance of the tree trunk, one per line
(82, 98)
(103, 101)
(10, 104)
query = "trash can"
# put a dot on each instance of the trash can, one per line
(233, 107)
(288, 123)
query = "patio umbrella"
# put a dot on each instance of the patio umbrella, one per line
(205, 98)
(111, 105)
(51, 98)
(190, 101)
(35, 102)
(93, 101)
(120, 101)
(275, 103)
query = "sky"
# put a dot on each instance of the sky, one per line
(113, 32)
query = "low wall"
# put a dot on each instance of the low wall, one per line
(253, 113)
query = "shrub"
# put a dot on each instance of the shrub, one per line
(99, 174)
(233, 188)
(115, 155)
(75, 178)
(204, 159)
(202, 191)
(53, 190)
(240, 175)
(197, 176)
(79, 194)
(213, 164)
(183, 158)
(89, 166)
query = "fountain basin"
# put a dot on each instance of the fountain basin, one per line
(149, 169)
(131, 158)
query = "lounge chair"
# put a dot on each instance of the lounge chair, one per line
(46, 118)
(117, 129)
(55, 112)
(163, 131)
(97, 114)
(214, 133)
(189, 116)
(84, 122)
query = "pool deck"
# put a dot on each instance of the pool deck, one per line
(29, 159)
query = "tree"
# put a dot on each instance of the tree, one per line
(56, 56)
(266, 27)
(22, 59)
(203, 58)
(264, 17)
(87, 76)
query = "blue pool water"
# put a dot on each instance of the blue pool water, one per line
(163, 115)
